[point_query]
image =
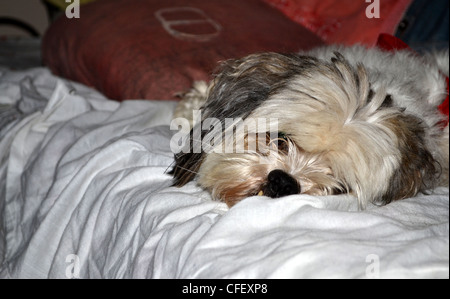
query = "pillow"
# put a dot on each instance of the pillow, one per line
(152, 49)
(346, 21)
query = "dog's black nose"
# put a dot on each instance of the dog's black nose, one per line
(280, 183)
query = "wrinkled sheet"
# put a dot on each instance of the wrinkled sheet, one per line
(84, 193)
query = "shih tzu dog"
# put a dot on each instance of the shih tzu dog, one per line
(329, 121)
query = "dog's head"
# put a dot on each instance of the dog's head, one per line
(277, 125)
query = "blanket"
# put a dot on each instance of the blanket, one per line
(84, 193)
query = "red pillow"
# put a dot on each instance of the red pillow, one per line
(152, 49)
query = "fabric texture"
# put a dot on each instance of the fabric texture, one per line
(346, 22)
(425, 25)
(84, 193)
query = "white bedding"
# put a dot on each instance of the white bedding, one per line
(84, 193)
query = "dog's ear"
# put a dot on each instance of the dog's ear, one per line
(188, 160)
(241, 85)
(417, 167)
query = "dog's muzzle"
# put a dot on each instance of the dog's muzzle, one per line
(280, 183)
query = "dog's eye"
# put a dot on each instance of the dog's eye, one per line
(282, 142)
(278, 139)
(282, 135)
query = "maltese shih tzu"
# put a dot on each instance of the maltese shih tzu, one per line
(333, 120)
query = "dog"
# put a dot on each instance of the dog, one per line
(348, 120)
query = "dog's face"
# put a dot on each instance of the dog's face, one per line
(304, 126)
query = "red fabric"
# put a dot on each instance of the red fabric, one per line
(388, 42)
(122, 48)
(345, 21)
(444, 107)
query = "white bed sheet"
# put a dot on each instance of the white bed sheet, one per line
(84, 193)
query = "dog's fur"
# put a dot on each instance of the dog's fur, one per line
(353, 120)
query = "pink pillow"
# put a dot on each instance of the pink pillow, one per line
(152, 49)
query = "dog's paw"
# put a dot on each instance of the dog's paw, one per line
(191, 100)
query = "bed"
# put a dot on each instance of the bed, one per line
(85, 190)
